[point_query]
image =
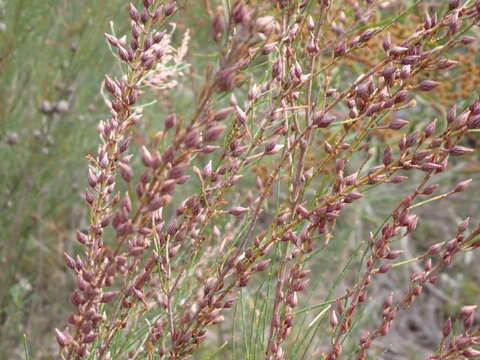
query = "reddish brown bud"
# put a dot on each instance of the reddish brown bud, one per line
(387, 42)
(430, 128)
(333, 319)
(467, 40)
(61, 338)
(156, 203)
(340, 49)
(463, 226)
(394, 254)
(170, 9)
(82, 238)
(213, 133)
(112, 40)
(387, 156)
(473, 122)
(444, 64)
(428, 167)
(462, 185)
(447, 327)
(222, 114)
(239, 12)
(322, 120)
(384, 268)
(70, 261)
(452, 114)
(108, 296)
(367, 34)
(401, 96)
(398, 50)
(263, 265)
(354, 195)
(471, 353)
(126, 172)
(292, 299)
(397, 179)
(146, 157)
(453, 4)
(388, 301)
(134, 13)
(430, 189)
(467, 310)
(410, 59)
(405, 72)
(170, 121)
(458, 150)
(173, 251)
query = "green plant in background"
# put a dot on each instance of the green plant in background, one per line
(259, 217)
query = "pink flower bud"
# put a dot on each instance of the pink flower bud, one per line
(169, 9)
(82, 238)
(333, 319)
(401, 96)
(394, 254)
(112, 40)
(405, 72)
(156, 203)
(387, 156)
(388, 301)
(387, 42)
(397, 179)
(473, 122)
(410, 59)
(239, 12)
(384, 268)
(398, 50)
(134, 13)
(444, 64)
(427, 85)
(292, 299)
(430, 189)
(452, 114)
(70, 261)
(468, 310)
(458, 150)
(126, 172)
(222, 114)
(467, 40)
(108, 296)
(462, 186)
(237, 210)
(213, 133)
(354, 195)
(367, 34)
(340, 49)
(170, 121)
(322, 120)
(146, 157)
(471, 353)
(430, 128)
(428, 167)
(174, 250)
(447, 327)
(207, 149)
(192, 139)
(61, 338)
